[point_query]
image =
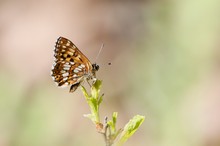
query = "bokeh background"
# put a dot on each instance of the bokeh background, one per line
(165, 65)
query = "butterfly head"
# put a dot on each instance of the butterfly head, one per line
(95, 67)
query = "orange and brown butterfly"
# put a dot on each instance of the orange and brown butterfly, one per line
(71, 66)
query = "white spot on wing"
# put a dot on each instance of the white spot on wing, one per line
(62, 71)
(64, 85)
(65, 74)
(76, 70)
(66, 65)
(80, 66)
(66, 68)
(79, 69)
(65, 78)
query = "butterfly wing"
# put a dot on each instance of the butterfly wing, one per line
(70, 63)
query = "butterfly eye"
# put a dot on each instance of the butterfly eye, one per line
(95, 67)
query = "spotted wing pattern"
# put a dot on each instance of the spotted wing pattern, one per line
(71, 65)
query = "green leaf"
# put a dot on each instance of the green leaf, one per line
(93, 100)
(96, 89)
(85, 93)
(114, 117)
(112, 123)
(130, 128)
(100, 99)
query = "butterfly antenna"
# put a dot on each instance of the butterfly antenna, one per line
(100, 50)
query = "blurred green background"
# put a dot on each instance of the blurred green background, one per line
(165, 66)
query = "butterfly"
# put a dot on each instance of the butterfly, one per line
(71, 66)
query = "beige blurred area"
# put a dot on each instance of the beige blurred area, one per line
(165, 65)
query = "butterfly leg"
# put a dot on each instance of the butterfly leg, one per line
(94, 80)
(88, 82)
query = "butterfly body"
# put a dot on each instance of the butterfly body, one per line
(71, 66)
